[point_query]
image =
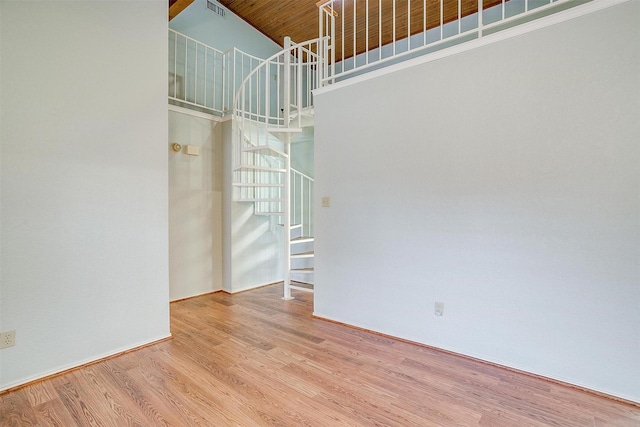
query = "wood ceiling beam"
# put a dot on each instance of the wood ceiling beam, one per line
(177, 6)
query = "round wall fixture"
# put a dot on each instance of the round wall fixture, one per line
(176, 147)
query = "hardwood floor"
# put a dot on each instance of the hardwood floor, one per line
(252, 359)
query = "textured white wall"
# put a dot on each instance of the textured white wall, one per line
(195, 207)
(84, 270)
(504, 182)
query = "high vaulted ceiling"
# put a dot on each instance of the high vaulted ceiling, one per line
(277, 19)
(298, 19)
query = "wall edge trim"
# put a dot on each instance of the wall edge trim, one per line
(74, 367)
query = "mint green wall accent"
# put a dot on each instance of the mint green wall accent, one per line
(222, 33)
(302, 152)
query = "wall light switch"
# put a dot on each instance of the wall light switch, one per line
(439, 309)
(193, 150)
(326, 201)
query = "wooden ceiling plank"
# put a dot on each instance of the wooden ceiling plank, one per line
(177, 6)
(298, 19)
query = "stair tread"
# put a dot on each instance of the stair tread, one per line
(255, 184)
(303, 255)
(302, 270)
(302, 288)
(284, 130)
(310, 238)
(299, 283)
(260, 168)
(265, 148)
(258, 199)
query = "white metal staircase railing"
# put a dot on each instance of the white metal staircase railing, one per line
(278, 91)
(273, 103)
(302, 202)
(366, 34)
(301, 235)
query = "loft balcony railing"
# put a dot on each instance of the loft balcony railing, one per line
(367, 34)
(356, 36)
(203, 77)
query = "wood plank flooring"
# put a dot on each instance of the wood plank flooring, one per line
(252, 359)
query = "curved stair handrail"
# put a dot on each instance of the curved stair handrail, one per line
(277, 94)
(280, 87)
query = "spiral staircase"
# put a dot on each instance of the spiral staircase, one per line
(271, 108)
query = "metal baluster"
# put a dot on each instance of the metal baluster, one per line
(366, 9)
(394, 28)
(380, 30)
(424, 22)
(408, 25)
(442, 19)
(480, 24)
(354, 33)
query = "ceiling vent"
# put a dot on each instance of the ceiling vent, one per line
(215, 7)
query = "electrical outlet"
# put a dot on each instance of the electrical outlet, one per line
(7, 339)
(439, 308)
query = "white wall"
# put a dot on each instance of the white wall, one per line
(84, 270)
(195, 207)
(222, 33)
(504, 182)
